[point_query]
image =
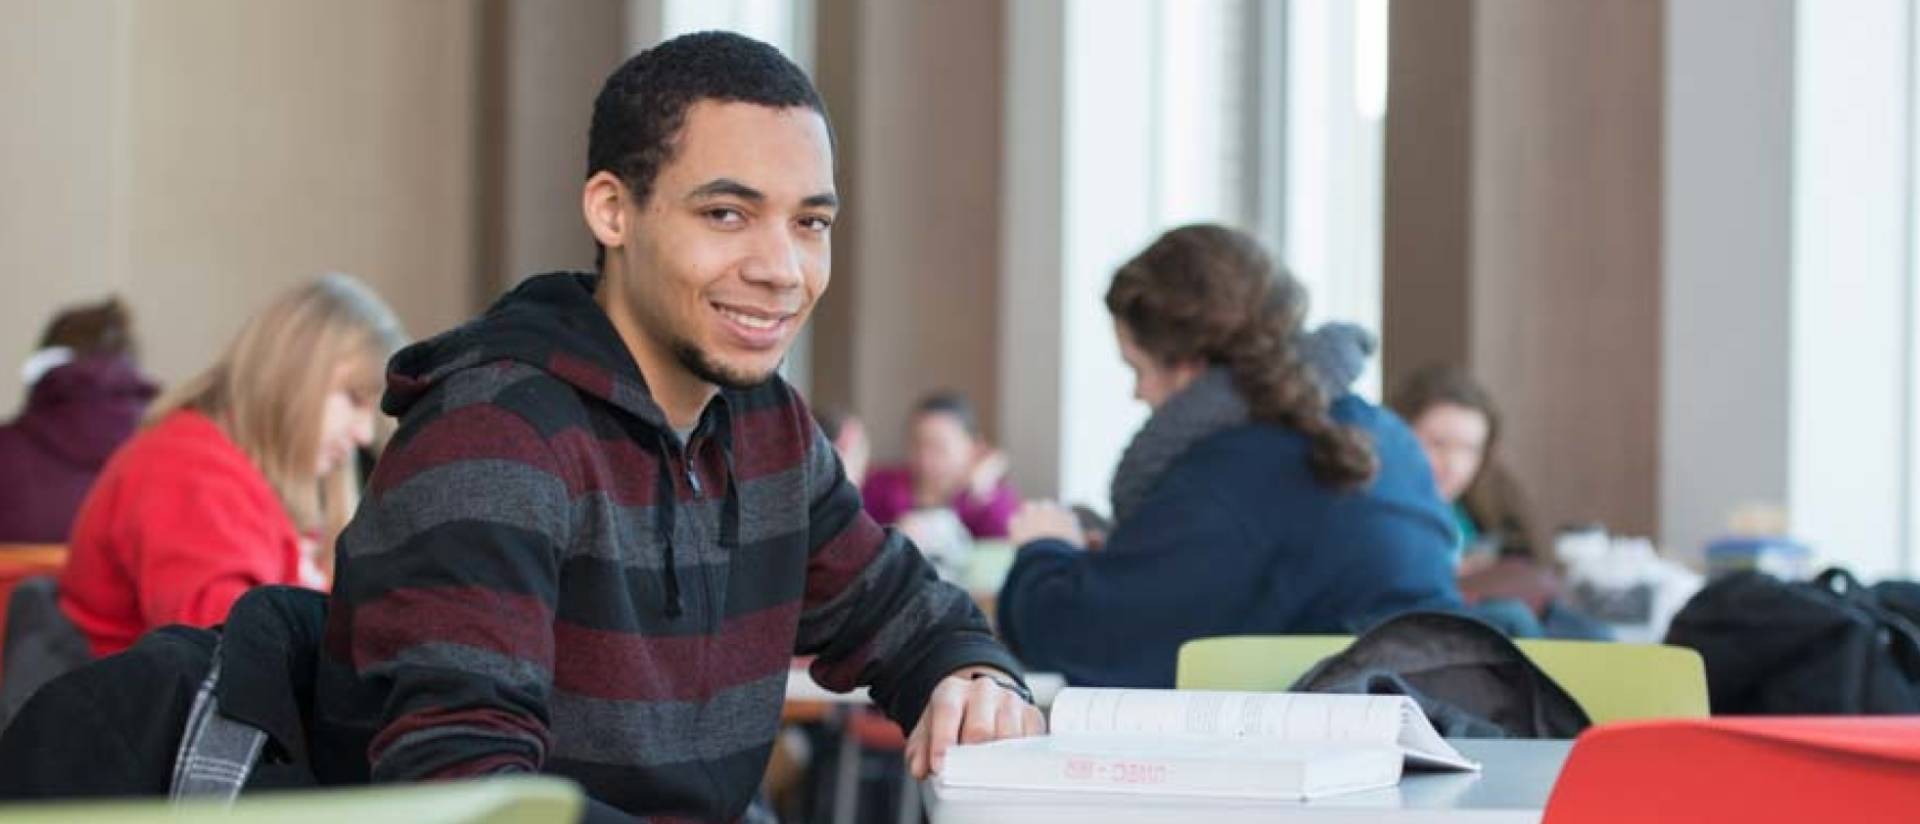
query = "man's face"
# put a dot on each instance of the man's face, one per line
(731, 249)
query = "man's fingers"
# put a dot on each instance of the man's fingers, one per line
(1035, 722)
(967, 711)
(916, 751)
(982, 711)
(1011, 721)
(948, 709)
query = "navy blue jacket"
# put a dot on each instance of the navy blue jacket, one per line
(1237, 538)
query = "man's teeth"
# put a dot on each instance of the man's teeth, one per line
(750, 321)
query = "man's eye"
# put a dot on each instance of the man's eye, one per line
(817, 224)
(726, 217)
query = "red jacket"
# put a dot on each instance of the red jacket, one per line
(179, 524)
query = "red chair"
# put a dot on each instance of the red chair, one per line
(1857, 769)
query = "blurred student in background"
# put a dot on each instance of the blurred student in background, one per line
(1454, 419)
(244, 475)
(949, 466)
(1502, 566)
(1248, 503)
(85, 396)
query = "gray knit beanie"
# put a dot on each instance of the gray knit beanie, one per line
(1337, 352)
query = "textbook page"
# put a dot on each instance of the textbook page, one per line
(1384, 720)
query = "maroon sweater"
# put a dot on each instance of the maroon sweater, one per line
(76, 415)
(543, 578)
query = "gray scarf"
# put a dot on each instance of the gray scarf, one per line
(1337, 352)
(1208, 405)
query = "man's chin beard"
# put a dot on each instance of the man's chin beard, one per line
(705, 368)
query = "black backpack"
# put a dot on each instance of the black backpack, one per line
(1823, 647)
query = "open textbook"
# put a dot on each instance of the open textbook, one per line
(1223, 744)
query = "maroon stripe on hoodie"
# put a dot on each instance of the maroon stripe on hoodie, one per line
(835, 565)
(774, 449)
(627, 473)
(622, 666)
(478, 718)
(501, 622)
(453, 437)
(842, 673)
(581, 372)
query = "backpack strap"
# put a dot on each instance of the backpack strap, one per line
(216, 753)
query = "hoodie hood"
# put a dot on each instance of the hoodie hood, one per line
(81, 411)
(549, 322)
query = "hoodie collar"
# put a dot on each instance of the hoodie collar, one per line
(550, 322)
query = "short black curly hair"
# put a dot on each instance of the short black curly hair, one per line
(641, 108)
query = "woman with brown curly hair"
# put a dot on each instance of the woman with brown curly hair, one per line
(1250, 502)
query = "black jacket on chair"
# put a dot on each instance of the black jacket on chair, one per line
(113, 727)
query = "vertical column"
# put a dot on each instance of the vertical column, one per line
(1727, 269)
(1429, 141)
(1851, 186)
(1565, 250)
(1523, 234)
(832, 332)
(1032, 204)
(548, 61)
(926, 198)
(1110, 212)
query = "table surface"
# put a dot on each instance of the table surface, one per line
(1512, 787)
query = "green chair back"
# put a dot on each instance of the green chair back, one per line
(1611, 681)
(502, 800)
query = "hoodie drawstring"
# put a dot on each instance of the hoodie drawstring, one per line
(730, 506)
(664, 522)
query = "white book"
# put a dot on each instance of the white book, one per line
(1381, 720)
(1171, 766)
(1200, 743)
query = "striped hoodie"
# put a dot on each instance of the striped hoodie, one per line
(543, 578)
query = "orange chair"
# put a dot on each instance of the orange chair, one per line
(1857, 769)
(19, 562)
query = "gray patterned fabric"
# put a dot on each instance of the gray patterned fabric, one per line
(1336, 352)
(216, 753)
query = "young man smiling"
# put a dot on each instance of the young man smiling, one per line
(606, 525)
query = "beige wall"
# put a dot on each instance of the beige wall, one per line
(1558, 308)
(57, 228)
(201, 156)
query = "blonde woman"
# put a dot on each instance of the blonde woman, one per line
(243, 475)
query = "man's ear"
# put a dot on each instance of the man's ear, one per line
(602, 203)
